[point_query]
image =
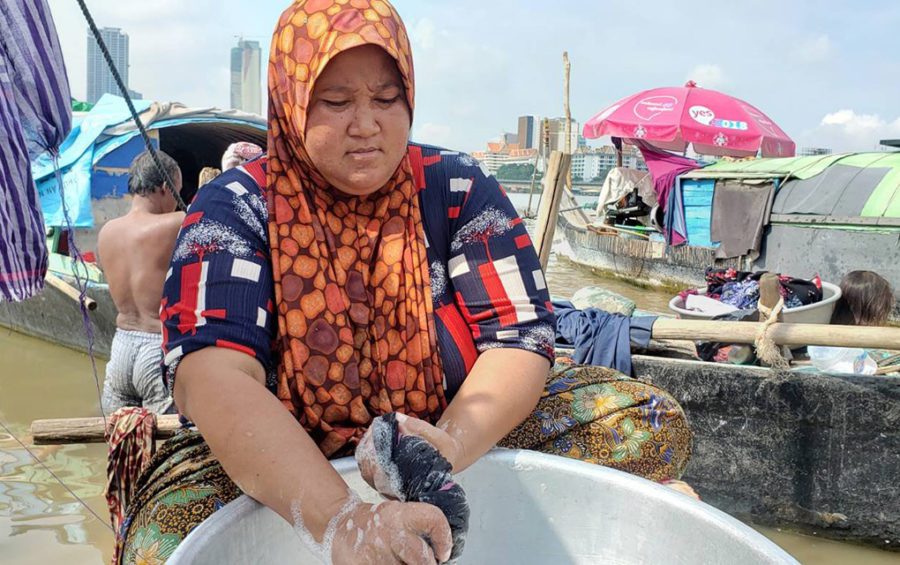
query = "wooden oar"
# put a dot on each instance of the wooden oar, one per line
(70, 291)
(90, 430)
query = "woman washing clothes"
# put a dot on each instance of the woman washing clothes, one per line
(350, 275)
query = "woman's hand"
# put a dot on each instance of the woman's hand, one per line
(441, 438)
(378, 477)
(391, 532)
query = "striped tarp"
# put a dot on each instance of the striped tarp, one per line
(34, 118)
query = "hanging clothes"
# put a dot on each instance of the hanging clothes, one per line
(664, 167)
(740, 213)
(34, 119)
(675, 221)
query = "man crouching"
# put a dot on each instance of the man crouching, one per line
(135, 250)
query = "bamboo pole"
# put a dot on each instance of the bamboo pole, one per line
(569, 192)
(533, 178)
(567, 68)
(548, 211)
(70, 291)
(782, 334)
(568, 143)
(90, 430)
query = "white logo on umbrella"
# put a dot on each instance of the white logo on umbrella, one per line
(702, 115)
(640, 132)
(653, 106)
(721, 140)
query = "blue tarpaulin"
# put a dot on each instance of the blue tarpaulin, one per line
(81, 150)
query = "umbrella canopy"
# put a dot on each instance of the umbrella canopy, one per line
(673, 118)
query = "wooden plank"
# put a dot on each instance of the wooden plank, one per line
(783, 334)
(808, 219)
(70, 291)
(90, 430)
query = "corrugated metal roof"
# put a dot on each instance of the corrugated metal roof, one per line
(872, 192)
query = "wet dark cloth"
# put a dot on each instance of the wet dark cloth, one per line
(424, 474)
(600, 338)
(732, 287)
(740, 213)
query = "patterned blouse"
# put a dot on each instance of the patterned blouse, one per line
(487, 285)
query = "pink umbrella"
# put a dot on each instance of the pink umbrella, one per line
(672, 118)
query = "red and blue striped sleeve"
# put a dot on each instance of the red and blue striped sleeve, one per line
(493, 268)
(219, 290)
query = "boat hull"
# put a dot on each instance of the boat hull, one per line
(812, 453)
(54, 317)
(526, 508)
(801, 252)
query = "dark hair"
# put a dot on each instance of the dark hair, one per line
(146, 178)
(866, 300)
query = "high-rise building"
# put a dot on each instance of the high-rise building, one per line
(554, 139)
(246, 77)
(529, 132)
(100, 79)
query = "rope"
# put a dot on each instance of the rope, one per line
(134, 115)
(766, 349)
(79, 263)
(55, 477)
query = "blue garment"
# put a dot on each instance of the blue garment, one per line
(601, 338)
(675, 221)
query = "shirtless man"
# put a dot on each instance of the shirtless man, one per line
(135, 251)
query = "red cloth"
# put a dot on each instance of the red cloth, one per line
(130, 436)
(665, 168)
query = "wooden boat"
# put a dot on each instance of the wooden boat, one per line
(195, 137)
(831, 215)
(54, 316)
(807, 452)
(526, 508)
(794, 450)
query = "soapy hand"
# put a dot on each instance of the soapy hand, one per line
(392, 532)
(400, 463)
(377, 477)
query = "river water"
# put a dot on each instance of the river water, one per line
(42, 522)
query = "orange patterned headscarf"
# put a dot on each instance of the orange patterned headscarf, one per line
(352, 289)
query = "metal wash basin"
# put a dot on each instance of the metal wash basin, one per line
(527, 507)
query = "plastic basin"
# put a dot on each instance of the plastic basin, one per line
(818, 313)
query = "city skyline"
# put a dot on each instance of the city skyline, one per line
(833, 90)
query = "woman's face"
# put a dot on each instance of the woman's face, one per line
(358, 122)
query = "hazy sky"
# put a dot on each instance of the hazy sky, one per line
(827, 71)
